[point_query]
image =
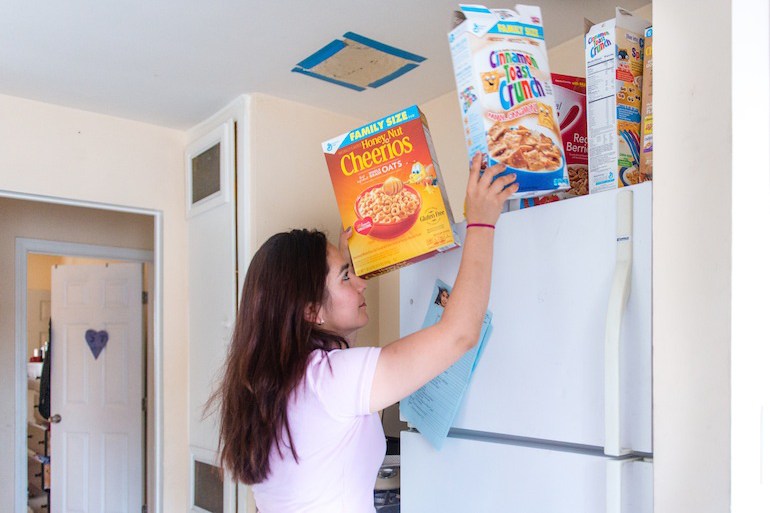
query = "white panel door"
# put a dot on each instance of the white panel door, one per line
(96, 448)
(483, 476)
(542, 373)
(212, 284)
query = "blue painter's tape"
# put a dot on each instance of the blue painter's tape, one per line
(383, 47)
(475, 8)
(322, 54)
(328, 79)
(394, 75)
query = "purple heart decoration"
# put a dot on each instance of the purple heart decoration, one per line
(96, 341)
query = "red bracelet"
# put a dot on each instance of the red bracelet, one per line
(482, 225)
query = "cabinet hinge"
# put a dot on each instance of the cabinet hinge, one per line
(145, 297)
(144, 404)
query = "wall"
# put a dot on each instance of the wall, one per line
(291, 186)
(39, 271)
(66, 153)
(38, 301)
(750, 353)
(692, 260)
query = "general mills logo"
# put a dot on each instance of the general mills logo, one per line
(329, 147)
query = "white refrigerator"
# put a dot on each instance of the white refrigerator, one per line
(558, 414)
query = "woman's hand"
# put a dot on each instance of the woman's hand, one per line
(487, 192)
(342, 243)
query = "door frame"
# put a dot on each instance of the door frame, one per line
(23, 248)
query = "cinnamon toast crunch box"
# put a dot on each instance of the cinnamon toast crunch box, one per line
(506, 94)
(614, 73)
(389, 188)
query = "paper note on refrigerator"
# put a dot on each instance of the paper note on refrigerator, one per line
(432, 408)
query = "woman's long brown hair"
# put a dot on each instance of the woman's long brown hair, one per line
(271, 343)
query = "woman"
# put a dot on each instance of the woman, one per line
(442, 298)
(298, 408)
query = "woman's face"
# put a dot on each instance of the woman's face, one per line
(344, 309)
(443, 297)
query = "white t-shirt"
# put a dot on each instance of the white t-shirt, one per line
(340, 445)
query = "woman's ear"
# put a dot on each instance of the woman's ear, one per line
(313, 314)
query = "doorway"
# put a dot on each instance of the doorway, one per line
(95, 394)
(71, 234)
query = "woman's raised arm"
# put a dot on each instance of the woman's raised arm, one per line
(408, 363)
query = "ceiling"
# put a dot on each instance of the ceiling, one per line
(176, 62)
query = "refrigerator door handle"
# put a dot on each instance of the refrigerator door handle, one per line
(621, 285)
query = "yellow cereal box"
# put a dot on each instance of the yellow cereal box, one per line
(646, 149)
(389, 189)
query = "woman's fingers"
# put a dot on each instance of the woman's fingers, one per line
(494, 172)
(342, 243)
(475, 169)
(513, 187)
(506, 183)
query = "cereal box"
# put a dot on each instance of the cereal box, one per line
(570, 96)
(646, 152)
(506, 96)
(389, 189)
(614, 93)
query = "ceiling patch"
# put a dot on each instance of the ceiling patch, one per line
(358, 62)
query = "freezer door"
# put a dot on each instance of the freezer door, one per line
(471, 475)
(542, 373)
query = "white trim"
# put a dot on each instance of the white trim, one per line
(158, 362)
(25, 246)
(223, 135)
(209, 457)
(239, 111)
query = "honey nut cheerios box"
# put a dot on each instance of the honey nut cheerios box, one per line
(506, 94)
(389, 188)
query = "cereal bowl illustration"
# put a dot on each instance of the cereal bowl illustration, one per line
(534, 157)
(387, 210)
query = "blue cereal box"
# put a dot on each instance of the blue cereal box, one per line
(506, 95)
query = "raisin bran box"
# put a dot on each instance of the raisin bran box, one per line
(389, 189)
(506, 94)
(614, 68)
(570, 95)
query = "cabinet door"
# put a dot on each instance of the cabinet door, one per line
(542, 373)
(473, 475)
